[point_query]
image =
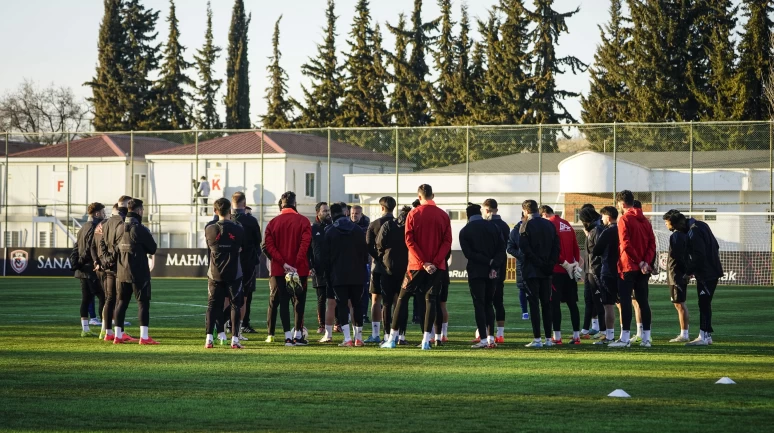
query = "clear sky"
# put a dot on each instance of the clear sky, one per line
(52, 41)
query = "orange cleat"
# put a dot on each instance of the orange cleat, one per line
(147, 341)
(499, 340)
(575, 341)
(110, 337)
(209, 345)
(359, 343)
(128, 338)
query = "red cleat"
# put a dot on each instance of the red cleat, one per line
(110, 337)
(557, 342)
(359, 343)
(586, 336)
(492, 346)
(575, 341)
(444, 340)
(147, 341)
(476, 340)
(117, 340)
(233, 345)
(128, 338)
(209, 345)
(500, 340)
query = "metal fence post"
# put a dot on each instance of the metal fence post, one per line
(5, 202)
(467, 164)
(262, 187)
(615, 163)
(69, 183)
(540, 164)
(131, 162)
(771, 167)
(196, 174)
(690, 154)
(329, 164)
(397, 166)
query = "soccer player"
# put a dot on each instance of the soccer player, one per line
(566, 272)
(99, 269)
(288, 237)
(388, 206)
(594, 294)
(428, 238)
(225, 240)
(704, 264)
(590, 311)
(637, 312)
(362, 221)
(393, 254)
(539, 244)
(112, 230)
(251, 250)
(346, 253)
(441, 313)
(133, 270)
(483, 245)
(637, 247)
(85, 265)
(606, 247)
(677, 264)
(512, 248)
(490, 213)
(326, 299)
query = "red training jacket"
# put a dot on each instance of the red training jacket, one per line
(428, 236)
(287, 241)
(637, 243)
(568, 243)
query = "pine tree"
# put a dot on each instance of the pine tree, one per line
(607, 100)
(463, 80)
(754, 58)
(142, 59)
(279, 107)
(487, 73)
(106, 84)
(401, 75)
(444, 102)
(207, 113)
(170, 109)
(546, 97)
(478, 81)
(421, 90)
(237, 70)
(321, 107)
(362, 105)
(378, 88)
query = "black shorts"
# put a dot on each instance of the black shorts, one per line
(564, 287)
(443, 293)
(596, 290)
(227, 289)
(420, 282)
(609, 289)
(391, 285)
(141, 291)
(376, 284)
(248, 279)
(677, 294)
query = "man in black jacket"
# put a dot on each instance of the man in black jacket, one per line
(326, 300)
(512, 248)
(249, 256)
(539, 244)
(112, 230)
(346, 250)
(704, 264)
(490, 213)
(85, 266)
(393, 254)
(594, 295)
(377, 269)
(606, 247)
(677, 265)
(99, 268)
(133, 271)
(225, 276)
(483, 245)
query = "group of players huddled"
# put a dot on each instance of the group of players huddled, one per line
(410, 254)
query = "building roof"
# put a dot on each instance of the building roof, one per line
(99, 146)
(16, 146)
(249, 143)
(528, 162)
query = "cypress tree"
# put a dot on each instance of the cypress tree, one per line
(445, 102)
(106, 84)
(381, 77)
(421, 91)
(608, 94)
(754, 59)
(321, 106)
(279, 107)
(170, 108)
(464, 91)
(491, 109)
(401, 75)
(207, 113)
(142, 59)
(237, 70)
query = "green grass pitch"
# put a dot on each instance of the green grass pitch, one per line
(53, 380)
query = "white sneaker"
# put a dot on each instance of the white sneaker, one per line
(708, 339)
(679, 339)
(241, 338)
(645, 343)
(698, 342)
(95, 322)
(535, 343)
(127, 324)
(619, 343)
(548, 343)
(480, 345)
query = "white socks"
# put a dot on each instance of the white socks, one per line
(625, 336)
(358, 333)
(209, 338)
(595, 324)
(394, 335)
(639, 330)
(557, 335)
(584, 331)
(104, 328)
(702, 336)
(610, 334)
(426, 337)
(328, 331)
(645, 335)
(684, 333)
(575, 335)
(445, 329)
(234, 340)
(438, 337)
(288, 335)
(222, 336)
(85, 325)
(376, 329)
(501, 331)
(347, 335)
(119, 332)
(144, 332)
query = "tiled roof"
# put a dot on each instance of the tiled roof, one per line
(16, 146)
(249, 143)
(99, 146)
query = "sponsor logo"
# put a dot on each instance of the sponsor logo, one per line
(19, 261)
(55, 263)
(663, 258)
(729, 276)
(187, 260)
(458, 274)
(564, 227)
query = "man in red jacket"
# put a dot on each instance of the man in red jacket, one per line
(637, 247)
(428, 238)
(564, 281)
(286, 244)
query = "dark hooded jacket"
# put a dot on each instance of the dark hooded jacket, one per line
(112, 230)
(346, 252)
(704, 252)
(133, 249)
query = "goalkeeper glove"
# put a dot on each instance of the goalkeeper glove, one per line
(578, 273)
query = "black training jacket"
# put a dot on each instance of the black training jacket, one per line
(112, 230)
(251, 248)
(317, 259)
(224, 240)
(512, 247)
(391, 247)
(505, 231)
(539, 244)
(133, 249)
(607, 247)
(704, 252)
(371, 233)
(346, 253)
(677, 262)
(483, 245)
(593, 264)
(82, 260)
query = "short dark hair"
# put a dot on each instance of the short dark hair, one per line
(115, 206)
(388, 203)
(473, 209)
(204, 178)
(404, 211)
(491, 203)
(425, 190)
(588, 215)
(248, 208)
(546, 209)
(610, 211)
(288, 200)
(588, 205)
(222, 206)
(135, 204)
(337, 209)
(238, 197)
(319, 205)
(625, 196)
(530, 206)
(94, 208)
(416, 203)
(678, 220)
(637, 204)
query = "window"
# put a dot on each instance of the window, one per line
(12, 239)
(178, 240)
(46, 239)
(140, 186)
(309, 185)
(457, 215)
(708, 215)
